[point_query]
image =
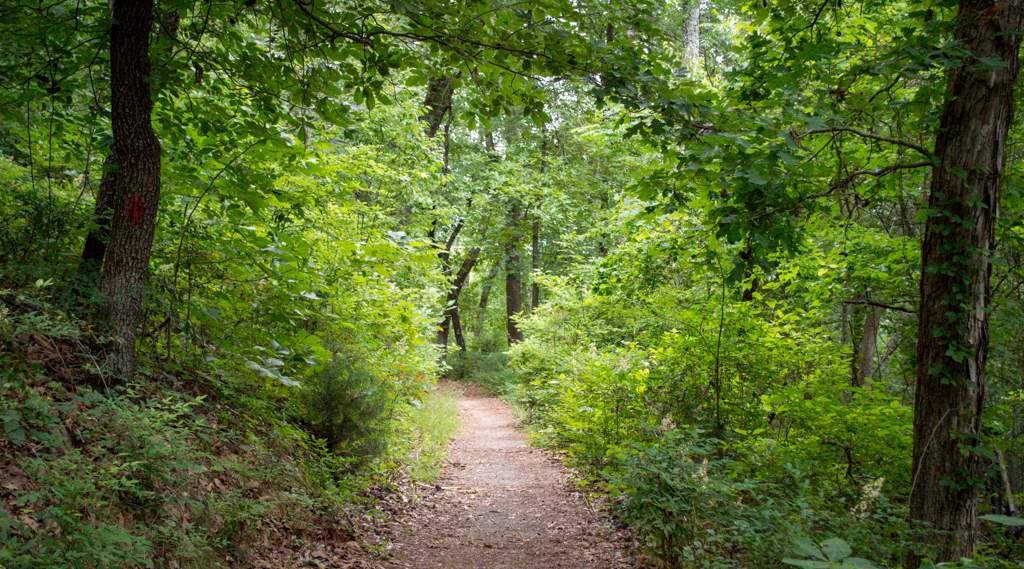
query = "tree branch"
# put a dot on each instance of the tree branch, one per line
(882, 305)
(899, 142)
(876, 172)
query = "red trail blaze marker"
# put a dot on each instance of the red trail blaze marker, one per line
(136, 208)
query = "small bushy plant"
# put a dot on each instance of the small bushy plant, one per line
(349, 407)
(692, 508)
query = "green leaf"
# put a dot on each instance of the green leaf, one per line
(807, 548)
(808, 563)
(836, 549)
(1011, 521)
(859, 563)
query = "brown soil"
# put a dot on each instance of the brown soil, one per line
(502, 504)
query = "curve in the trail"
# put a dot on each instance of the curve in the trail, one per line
(502, 504)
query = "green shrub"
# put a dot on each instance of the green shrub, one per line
(487, 369)
(689, 507)
(348, 407)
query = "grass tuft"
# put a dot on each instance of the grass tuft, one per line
(434, 423)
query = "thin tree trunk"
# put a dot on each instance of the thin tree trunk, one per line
(513, 277)
(535, 230)
(844, 323)
(1004, 474)
(451, 307)
(443, 332)
(438, 102)
(460, 338)
(534, 263)
(952, 344)
(747, 258)
(485, 295)
(444, 258)
(867, 347)
(137, 195)
(95, 247)
(891, 345)
(691, 38)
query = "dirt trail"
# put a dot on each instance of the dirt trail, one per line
(502, 504)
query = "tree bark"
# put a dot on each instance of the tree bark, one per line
(535, 230)
(513, 277)
(485, 295)
(451, 307)
(137, 194)
(691, 38)
(95, 247)
(438, 102)
(867, 347)
(460, 338)
(747, 258)
(444, 258)
(952, 344)
(443, 331)
(534, 263)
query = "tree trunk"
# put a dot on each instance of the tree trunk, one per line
(513, 277)
(451, 307)
(460, 338)
(867, 347)
(952, 343)
(747, 259)
(137, 194)
(443, 331)
(534, 263)
(95, 247)
(691, 38)
(438, 102)
(535, 230)
(485, 296)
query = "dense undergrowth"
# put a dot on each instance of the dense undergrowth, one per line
(272, 408)
(727, 432)
(178, 468)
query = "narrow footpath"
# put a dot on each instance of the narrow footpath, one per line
(502, 504)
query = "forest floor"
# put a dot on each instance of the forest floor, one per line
(501, 503)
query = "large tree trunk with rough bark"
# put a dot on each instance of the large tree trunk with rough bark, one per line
(137, 194)
(95, 247)
(952, 343)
